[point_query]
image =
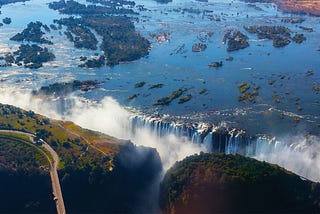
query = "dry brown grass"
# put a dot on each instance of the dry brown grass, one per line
(311, 7)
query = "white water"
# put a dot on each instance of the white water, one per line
(108, 117)
(300, 154)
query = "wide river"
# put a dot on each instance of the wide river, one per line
(171, 62)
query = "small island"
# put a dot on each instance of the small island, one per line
(167, 100)
(6, 20)
(31, 56)
(236, 40)
(65, 88)
(281, 36)
(33, 33)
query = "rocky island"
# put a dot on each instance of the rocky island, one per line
(80, 35)
(235, 40)
(6, 20)
(33, 33)
(31, 56)
(120, 41)
(65, 88)
(281, 36)
(174, 95)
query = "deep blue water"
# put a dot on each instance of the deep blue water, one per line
(257, 65)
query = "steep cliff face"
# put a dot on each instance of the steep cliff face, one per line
(25, 192)
(131, 187)
(25, 185)
(211, 183)
(98, 173)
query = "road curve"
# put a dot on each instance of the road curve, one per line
(53, 170)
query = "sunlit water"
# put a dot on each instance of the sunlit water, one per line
(256, 64)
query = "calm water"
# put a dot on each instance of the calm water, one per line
(257, 65)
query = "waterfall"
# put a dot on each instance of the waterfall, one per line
(176, 140)
(300, 154)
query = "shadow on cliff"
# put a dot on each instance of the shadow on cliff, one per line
(131, 187)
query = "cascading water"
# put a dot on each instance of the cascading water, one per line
(174, 141)
(299, 154)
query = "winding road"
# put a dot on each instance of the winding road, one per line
(56, 188)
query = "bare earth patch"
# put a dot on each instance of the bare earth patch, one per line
(311, 7)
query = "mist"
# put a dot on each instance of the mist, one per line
(299, 154)
(106, 116)
(295, 153)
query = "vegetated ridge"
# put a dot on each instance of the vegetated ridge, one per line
(220, 183)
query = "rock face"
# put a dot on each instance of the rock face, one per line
(24, 177)
(25, 192)
(219, 183)
(107, 176)
(130, 186)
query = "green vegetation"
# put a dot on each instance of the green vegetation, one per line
(139, 84)
(276, 98)
(293, 20)
(120, 41)
(32, 33)
(64, 88)
(18, 152)
(299, 38)
(250, 96)
(132, 96)
(72, 7)
(96, 62)
(24, 176)
(279, 41)
(32, 56)
(210, 183)
(94, 169)
(202, 91)
(159, 85)
(215, 64)
(243, 87)
(236, 40)
(198, 47)
(185, 99)
(174, 95)
(316, 88)
(84, 146)
(6, 20)
(83, 38)
(279, 34)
